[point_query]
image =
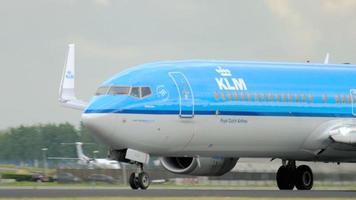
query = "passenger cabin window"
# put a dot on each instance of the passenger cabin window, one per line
(236, 95)
(304, 98)
(343, 99)
(119, 90)
(265, 97)
(223, 96)
(310, 99)
(216, 96)
(243, 96)
(284, 98)
(337, 99)
(249, 97)
(101, 91)
(229, 96)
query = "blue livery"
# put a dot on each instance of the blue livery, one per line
(190, 88)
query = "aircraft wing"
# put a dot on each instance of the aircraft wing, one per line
(67, 96)
(345, 134)
(333, 134)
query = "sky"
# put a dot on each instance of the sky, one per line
(112, 35)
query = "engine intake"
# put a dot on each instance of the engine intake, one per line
(202, 166)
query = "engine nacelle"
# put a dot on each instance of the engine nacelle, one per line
(202, 166)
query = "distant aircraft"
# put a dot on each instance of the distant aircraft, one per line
(92, 163)
(201, 116)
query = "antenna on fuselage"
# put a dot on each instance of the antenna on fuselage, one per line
(327, 57)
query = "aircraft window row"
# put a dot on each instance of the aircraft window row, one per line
(287, 98)
(138, 92)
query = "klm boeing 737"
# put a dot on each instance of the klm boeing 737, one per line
(201, 116)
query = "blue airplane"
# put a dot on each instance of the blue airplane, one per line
(201, 116)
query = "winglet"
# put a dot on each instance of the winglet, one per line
(66, 91)
(327, 57)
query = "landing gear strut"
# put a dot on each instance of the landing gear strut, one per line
(139, 179)
(289, 175)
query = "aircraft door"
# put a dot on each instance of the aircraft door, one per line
(353, 99)
(185, 94)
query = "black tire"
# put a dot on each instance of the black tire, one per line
(133, 182)
(143, 180)
(285, 178)
(304, 178)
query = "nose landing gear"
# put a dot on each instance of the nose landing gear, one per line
(139, 179)
(289, 175)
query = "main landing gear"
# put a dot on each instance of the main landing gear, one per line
(139, 179)
(289, 175)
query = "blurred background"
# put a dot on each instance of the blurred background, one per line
(112, 35)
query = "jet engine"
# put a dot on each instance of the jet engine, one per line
(202, 166)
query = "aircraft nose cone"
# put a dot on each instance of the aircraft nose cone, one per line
(98, 126)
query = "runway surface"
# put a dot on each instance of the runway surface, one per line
(17, 193)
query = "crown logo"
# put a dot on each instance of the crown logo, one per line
(69, 75)
(223, 72)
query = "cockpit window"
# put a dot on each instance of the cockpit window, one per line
(138, 92)
(101, 90)
(119, 90)
(135, 92)
(145, 91)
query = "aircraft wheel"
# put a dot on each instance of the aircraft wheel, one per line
(304, 178)
(133, 181)
(143, 180)
(285, 178)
